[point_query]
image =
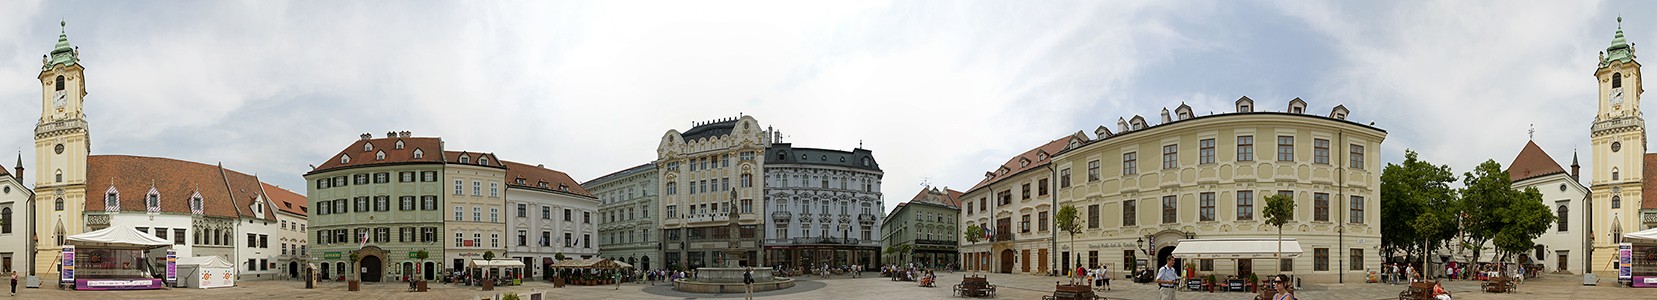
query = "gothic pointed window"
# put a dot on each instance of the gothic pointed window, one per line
(59, 83)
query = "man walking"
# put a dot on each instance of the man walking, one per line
(748, 283)
(1167, 280)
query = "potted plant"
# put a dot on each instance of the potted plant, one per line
(422, 255)
(1254, 283)
(356, 281)
(1209, 283)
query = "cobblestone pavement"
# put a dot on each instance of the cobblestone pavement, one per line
(839, 288)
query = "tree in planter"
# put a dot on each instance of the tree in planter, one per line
(356, 275)
(900, 250)
(973, 234)
(421, 256)
(1068, 222)
(1279, 210)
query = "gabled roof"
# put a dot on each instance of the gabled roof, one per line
(944, 196)
(1012, 166)
(286, 200)
(538, 177)
(1532, 162)
(475, 159)
(430, 147)
(222, 190)
(619, 174)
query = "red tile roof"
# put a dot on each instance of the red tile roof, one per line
(1532, 162)
(365, 156)
(1034, 156)
(224, 192)
(534, 176)
(477, 159)
(950, 197)
(1649, 200)
(286, 200)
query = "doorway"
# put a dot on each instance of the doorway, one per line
(408, 270)
(430, 270)
(1007, 261)
(293, 269)
(324, 270)
(644, 263)
(373, 269)
(1162, 256)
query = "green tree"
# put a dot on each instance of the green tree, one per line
(1067, 220)
(1526, 218)
(488, 255)
(1280, 209)
(973, 234)
(1492, 211)
(901, 250)
(1408, 190)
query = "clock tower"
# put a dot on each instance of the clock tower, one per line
(1619, 152)
(61, 147)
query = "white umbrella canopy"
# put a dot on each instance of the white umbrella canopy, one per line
(1649, 235)
(117, 237)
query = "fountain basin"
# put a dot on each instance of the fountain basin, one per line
(729, 280)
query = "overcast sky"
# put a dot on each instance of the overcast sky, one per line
(941, 91)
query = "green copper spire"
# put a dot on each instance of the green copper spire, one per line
(63, 53)
(1619, 50)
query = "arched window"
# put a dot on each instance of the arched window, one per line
(1615, 173)
(1616, 202)
(58, 175)
(6, 220)
(59, 204)
(1563, 218)
(1616, 81)
(60, 83)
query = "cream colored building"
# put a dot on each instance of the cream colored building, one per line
(708, 179)
(1014, 203)
(1619, 155)
(475, 202)
(1141, 189)
(61, 142)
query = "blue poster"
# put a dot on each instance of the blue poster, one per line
(1625, 261)
(68, 268)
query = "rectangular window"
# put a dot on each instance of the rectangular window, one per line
(382, 177)
(1170, 156)
(458, 187)
(1206, 265)
(494, 240)
(1320, 207)
(747, 206)
(568, 240)
(546, 212)
(322, 207)
(382, 203)
(477, 214)
(1286, 265)
(1025, 195)
(523, 210)
(1041, 221)
(360, 179)
(1245, 148)
(1291, 195)
(1285, 148)
(1041, 187)
(178, 236)
(1130, 163)
(1205, 151)
(1206, 201)
(428, 176)
(672, 212)
(586, 217)
(1093, 170)
(494, 215)
(567, 216)
(407, 202)
(1093, 216)
(1320, 259)
(1006, 198)
(1355, 211)
(1356, 158)
(1130, 213)
(1024, 224)
(405, 176)
(1170, 209)
(460, 240)
(1357, 259)
(362, 205)
(428, 202)
(477, 188)
(494, 190)
(459, 211)
(1320, 151)
(1064, 178)
(1245, 205)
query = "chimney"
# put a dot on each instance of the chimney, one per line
(404, 134)
(390, 134)
(1576, 169)
(365, 136)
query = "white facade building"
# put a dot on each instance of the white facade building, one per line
(548, 215)
(14, 222)
(627, 228)
(824, 207)
(1564, 247)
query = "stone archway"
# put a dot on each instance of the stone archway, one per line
(373, 268)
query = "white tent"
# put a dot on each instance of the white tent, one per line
(1237, 248)
(205, 272)
(118, 238)
(498, 263)
(1645, 235)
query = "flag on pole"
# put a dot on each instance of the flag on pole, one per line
(364, 241)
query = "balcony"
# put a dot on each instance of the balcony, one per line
(709, 218)
(934, 242)
(781, 216)
(820, 240)
(866, 218)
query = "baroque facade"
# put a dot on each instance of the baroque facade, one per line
(1622, 167)
(1014, 204)
(534, 194)
(926, 224)
(1214, 173)
(708, 183)
(824, 207)
(353, 194)
(627, 229)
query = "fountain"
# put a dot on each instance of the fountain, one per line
(728, 277)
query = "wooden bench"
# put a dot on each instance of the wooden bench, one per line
(974, 286)
(1418, 291)
(1499, 285)
(1071, 292)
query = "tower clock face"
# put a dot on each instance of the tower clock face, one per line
(59, 99)
(1616, 96)
(59, 149)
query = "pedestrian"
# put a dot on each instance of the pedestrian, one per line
(1281, 282)
(1167, 280)
(14, 283)
(1104, 274)
(748, 283)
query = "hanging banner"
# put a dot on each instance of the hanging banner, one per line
(1625, 261)
(172, 266)
(68, 268)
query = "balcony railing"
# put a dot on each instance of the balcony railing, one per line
(709, 218)
(866, 218)
(934, 242)
(815, 240)
(781, 216)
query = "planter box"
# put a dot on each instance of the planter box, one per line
(354, 285)
(488, 285)
(420, 286)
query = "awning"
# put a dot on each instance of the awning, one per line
(1646, 235)
(592, 263)
(119, 238)
(205, 262)
(498, 263)
(1236, 248)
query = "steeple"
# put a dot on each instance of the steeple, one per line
(63, 53)
(1619, 50)
(1576, 169)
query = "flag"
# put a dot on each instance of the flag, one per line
(364, 241)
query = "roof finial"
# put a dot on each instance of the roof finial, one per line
(1532, 131)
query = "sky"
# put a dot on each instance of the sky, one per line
(940, 91)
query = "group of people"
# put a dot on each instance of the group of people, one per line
(1098, 277)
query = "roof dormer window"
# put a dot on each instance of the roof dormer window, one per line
(379, 155)
(343, 159)
(399, 145)
(483, 161)
(152, 200)
(464, 159)
(367, 147)
(195, 203)
(419, 154)
(112, 200)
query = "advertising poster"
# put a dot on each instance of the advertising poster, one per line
(68, 268)
(172, 266)
(1625, 261)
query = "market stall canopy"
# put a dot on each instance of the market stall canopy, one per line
(1236, 248)
(1646, 235)
(592, 263)
(205, 262)
(498, 263)
(119, 238)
